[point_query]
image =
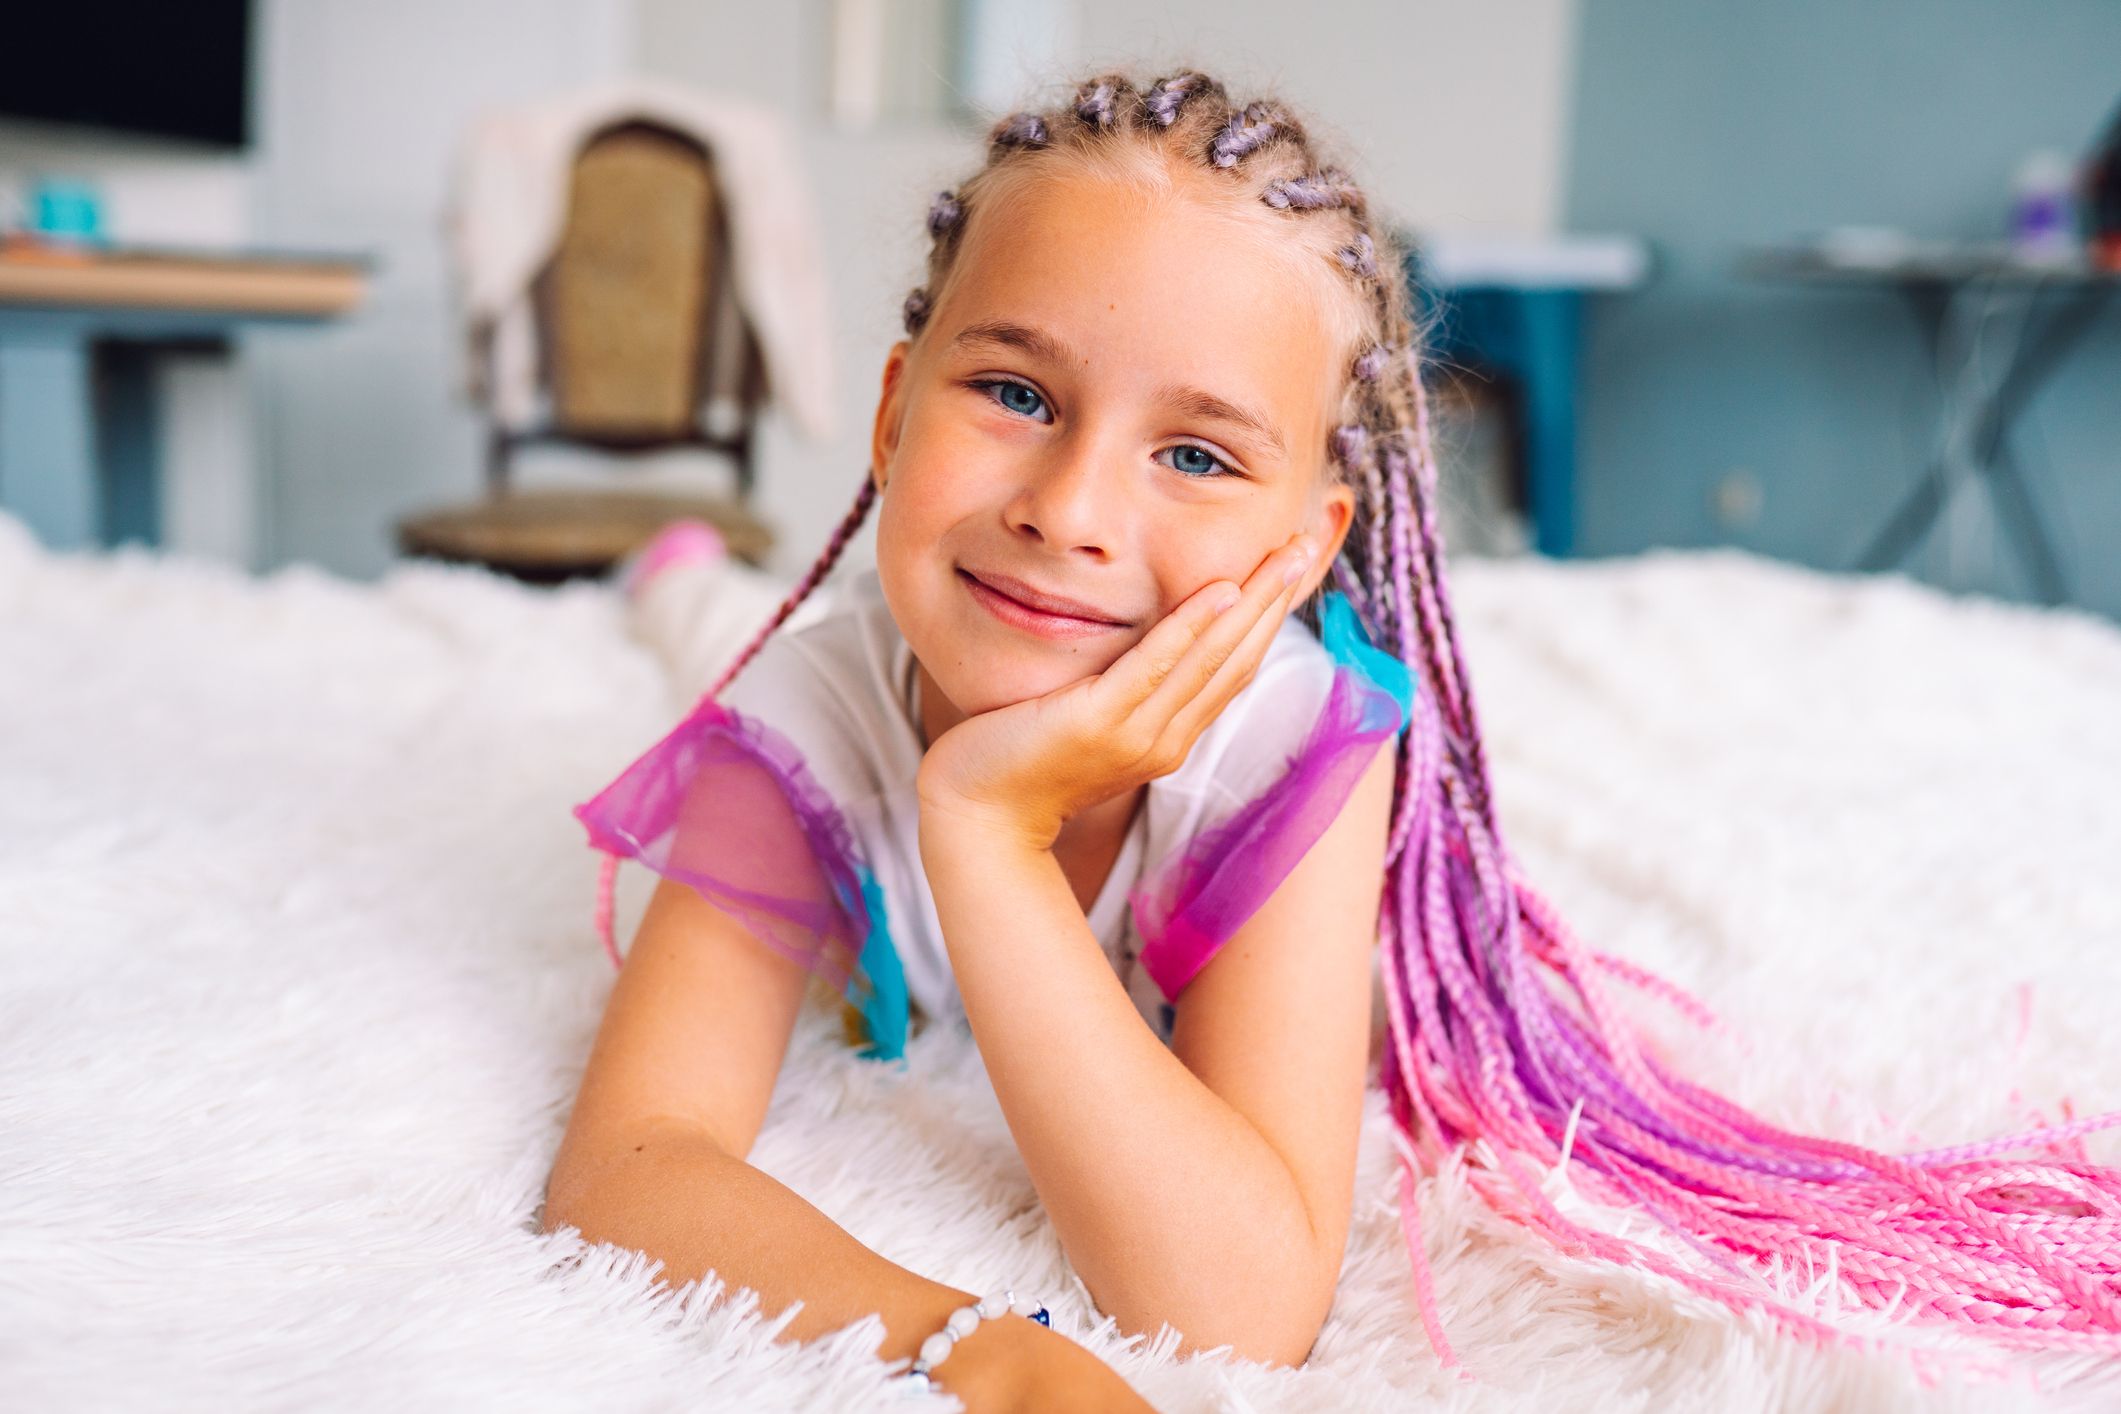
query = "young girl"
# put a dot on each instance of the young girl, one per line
(1097, 762)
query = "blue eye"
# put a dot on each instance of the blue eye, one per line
(1195, 463)
(1019, 398)
(1198, 462)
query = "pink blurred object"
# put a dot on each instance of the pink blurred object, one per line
(682, 542)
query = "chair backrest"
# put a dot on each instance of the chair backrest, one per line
(633, 297)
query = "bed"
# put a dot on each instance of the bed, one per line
(300, 977)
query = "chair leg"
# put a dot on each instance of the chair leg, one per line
(745, 472)
(497, 450)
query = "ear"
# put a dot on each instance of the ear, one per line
(1328, 524)
(890, 413)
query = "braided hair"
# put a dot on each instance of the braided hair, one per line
(1505, 1051)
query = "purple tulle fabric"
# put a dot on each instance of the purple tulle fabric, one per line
(1192, 903)
(726, 804)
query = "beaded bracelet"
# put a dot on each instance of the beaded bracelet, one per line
(936, 1348)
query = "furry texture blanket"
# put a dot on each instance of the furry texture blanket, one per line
(299, 978)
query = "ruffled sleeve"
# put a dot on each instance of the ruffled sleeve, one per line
(1189, 904)
(726, 804)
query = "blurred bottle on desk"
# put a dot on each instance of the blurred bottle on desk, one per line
(2100, 193)
(2044, 209)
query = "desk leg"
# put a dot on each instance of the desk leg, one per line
(2014, 502)
(1988, 419)
(127, 436)
(47, 440)
(2013, 497)
(1907, 524)
(1931, 304)
(1548, 327)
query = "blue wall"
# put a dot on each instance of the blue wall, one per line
(1708, 127)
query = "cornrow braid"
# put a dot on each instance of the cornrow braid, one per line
(914, 312)
(1250, 129)
(1019, 130)
(1167, 96)
(1505, 1050)
(1096, 103)
(943, 213)
(1359, 257)
(1315, 192)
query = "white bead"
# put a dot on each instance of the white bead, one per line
(993, 1304)
(936, 1348)
(963, 1321)
(1023, 1306)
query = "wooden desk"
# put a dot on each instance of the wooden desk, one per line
(80, 332)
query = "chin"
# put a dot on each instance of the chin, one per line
(996, 684)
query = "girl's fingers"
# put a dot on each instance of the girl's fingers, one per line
(1142, 669)
(1235, 666)
(1230, 645)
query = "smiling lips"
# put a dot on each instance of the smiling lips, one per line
(1048, 615)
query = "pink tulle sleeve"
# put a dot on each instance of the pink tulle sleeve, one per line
(1191, 903)
(725, 804)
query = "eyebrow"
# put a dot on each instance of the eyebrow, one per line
(1193, 402)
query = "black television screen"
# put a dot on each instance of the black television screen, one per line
(177, 70)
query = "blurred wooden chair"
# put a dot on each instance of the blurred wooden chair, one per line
(638, 337)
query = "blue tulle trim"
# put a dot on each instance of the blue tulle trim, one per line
(885, 1010)
(1345, 638)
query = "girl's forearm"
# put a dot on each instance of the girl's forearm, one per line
(677, 1195)
(1170, 1204)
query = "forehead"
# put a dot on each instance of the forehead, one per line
(1156, 286)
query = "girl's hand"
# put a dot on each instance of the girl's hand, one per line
(1026, 768)
(1003, 1369)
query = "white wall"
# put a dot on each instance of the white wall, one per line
(360, 108)
(1453, 112)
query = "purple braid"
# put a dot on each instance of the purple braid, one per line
(943, 212)
(1246, 132)
(1095, 103)
(1166, 96)
(1506, 1053)
(1360, 257)
(1315, 192)
(1020, 130)
(914, 312)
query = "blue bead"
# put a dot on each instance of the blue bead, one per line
(1042, 1318)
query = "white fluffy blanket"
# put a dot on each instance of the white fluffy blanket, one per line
(299, 978)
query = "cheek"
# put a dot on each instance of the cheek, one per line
(942, 473)
(1187, 568)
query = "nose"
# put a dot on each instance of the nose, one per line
(1071, 499)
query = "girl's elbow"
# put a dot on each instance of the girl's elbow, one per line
(1278, 1333)
(1287, 1343)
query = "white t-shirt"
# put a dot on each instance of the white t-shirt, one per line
(842, 690)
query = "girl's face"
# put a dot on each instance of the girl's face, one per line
(1120, 399)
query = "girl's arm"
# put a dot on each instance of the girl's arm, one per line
(1207, 1185)
(676, 1087)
